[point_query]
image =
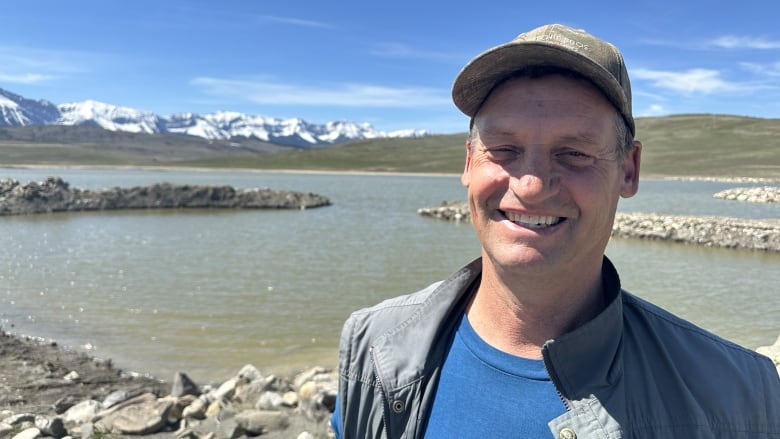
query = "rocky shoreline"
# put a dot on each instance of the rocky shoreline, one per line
(765, 194)
(56, 195)
(723, 232)
(46, 391)
(49, 392)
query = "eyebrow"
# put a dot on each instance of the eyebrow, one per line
(582, 136)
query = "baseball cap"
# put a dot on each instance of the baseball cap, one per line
(553, 45)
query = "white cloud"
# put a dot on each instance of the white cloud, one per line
(270, 92)
(656, 109)
(295, 21)
(397, 50)
(771, 70)
(25, 65)
(24, 78)
(737, 42)
(692, 81)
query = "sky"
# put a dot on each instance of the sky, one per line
(390, 64)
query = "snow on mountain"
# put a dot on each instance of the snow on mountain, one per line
(18, 111)
(109, 117)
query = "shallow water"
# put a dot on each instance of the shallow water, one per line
(207, 291)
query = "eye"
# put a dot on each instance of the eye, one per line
(502, 153)
(575, 158)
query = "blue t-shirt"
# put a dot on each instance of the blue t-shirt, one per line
(484, 392)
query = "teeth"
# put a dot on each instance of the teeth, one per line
(533, 221)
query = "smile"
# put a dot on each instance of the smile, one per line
(533, 221)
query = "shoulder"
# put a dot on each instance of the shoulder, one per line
(365, 325)
(694, 352)
(639, 310)
(428, 304)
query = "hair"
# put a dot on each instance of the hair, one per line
(624, 140)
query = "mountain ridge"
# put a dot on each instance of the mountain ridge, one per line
(18, 111)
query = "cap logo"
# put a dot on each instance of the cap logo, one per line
(561, 40)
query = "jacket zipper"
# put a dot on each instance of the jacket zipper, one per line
(553, 377)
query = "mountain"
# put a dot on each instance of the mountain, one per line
(17, 111)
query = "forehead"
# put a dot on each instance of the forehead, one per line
(551, 97)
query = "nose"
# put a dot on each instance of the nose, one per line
(534, 179)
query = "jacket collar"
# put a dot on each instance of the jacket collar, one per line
(585, 359)
(576, 361)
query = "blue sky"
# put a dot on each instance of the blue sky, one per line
(389, 63)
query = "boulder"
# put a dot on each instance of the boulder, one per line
(81, 413)
(183, 385)
(52, 427)
(138, 419)
(29, 433)
(256, 422)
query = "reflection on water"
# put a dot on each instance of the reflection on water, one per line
(207, 291)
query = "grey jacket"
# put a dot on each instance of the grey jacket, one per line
(634, 371)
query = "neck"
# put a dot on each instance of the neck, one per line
(519, 315)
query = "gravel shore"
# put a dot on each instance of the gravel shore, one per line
(40, 379)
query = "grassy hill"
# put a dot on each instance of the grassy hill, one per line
(683, 145)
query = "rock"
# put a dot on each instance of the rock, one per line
(251, 392)
(55, 195)
(196, 410)
(140, 399)
(257, 422)
(144, 418)
(115, 398)
(213, 410)
(63, 404)
(19, 419)
(290, 399)
(318, 398)
(5, 414)
(766, 194)
(176, 413)
(449, 211)
(226, 390)
(30, 433)
(706, 231)
(305, 435)
(183, 385)
(53, 427)
(5, 430)
(230, 429)
(82, 412)
(276, 383)
(85, 430)
(269, 400)
(249, 373)
(72, 377)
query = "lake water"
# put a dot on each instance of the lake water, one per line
(208, 291)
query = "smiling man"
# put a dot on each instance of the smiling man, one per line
(536, 338)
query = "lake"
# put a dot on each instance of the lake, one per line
(208, 291)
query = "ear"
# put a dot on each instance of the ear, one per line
(465, 178)
(630, 169)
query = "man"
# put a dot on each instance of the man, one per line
(536, 338)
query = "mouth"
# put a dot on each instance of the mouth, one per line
(533, 221)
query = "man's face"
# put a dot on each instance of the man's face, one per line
(544, 177)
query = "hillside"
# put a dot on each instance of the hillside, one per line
(683, 145)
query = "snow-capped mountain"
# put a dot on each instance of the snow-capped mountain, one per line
(16, 111)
